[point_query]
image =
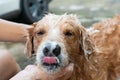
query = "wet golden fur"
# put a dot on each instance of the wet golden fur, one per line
(95, 52)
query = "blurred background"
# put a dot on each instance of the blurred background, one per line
(29, 11)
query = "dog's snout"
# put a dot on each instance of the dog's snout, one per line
(52, 49)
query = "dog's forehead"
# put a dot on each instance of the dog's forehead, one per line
(52, 19)
(56, 22)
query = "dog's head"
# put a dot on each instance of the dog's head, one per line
(57, 41)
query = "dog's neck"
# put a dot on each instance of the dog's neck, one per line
(81, 71)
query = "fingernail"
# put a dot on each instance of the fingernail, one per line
(70, 66)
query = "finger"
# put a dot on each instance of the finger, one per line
(30, 66)
(68, 72)
(69, 68)
(64, 74)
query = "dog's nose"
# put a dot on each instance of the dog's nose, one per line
(51, 49)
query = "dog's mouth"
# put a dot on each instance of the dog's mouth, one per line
(51, 63)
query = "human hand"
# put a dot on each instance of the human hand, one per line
(63, 74)
(32, 72)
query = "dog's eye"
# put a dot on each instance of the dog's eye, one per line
(68, 33)
(40, 33)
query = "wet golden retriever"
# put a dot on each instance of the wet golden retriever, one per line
(58, 40)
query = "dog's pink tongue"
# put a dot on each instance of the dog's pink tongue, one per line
(49, 60)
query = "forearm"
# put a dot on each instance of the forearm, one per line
(12, 32)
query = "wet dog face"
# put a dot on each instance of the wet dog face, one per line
(54, 39)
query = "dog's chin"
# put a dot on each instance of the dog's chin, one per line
(51, 68)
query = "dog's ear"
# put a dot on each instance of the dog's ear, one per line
(29, 50)
(85, 42)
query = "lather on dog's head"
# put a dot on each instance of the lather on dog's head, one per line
(58, 40)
